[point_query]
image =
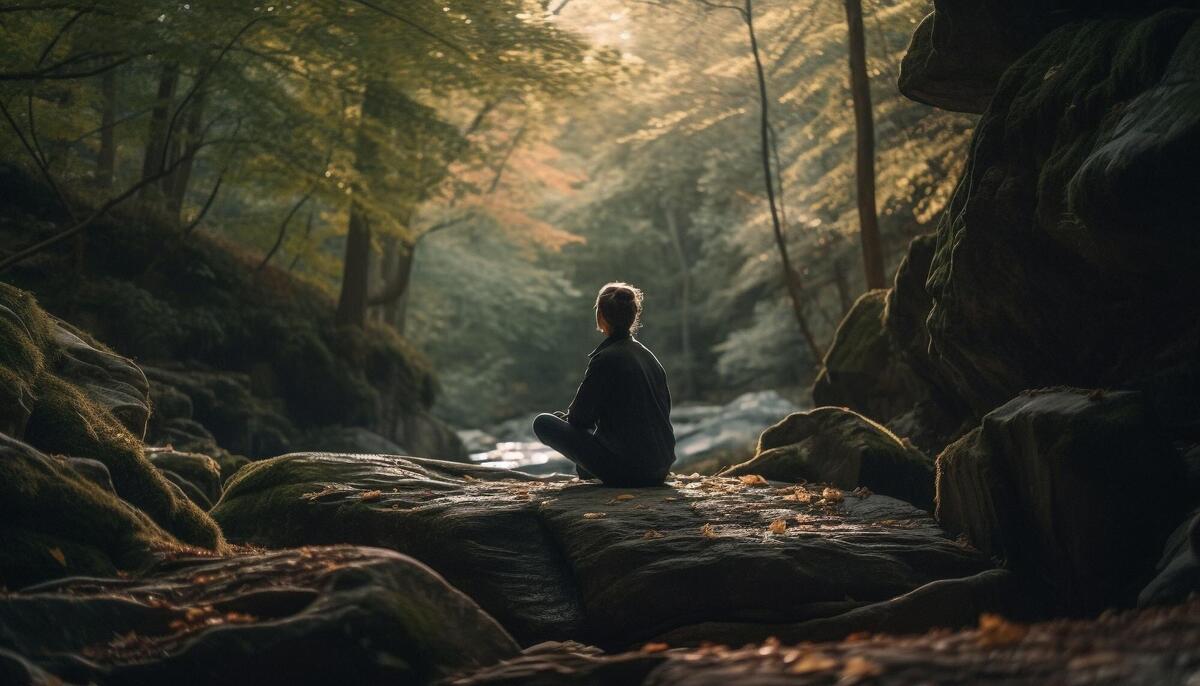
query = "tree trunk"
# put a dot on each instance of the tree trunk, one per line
(685, 297)
(399, 277)
(106, 160)
(790, 276)
(864, 127)
(152, 163)
(352, 301)
(176, 184)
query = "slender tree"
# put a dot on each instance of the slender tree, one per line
(864, 125)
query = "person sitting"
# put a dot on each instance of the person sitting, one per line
(618, 427)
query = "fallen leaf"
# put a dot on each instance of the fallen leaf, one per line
(813, 662)
(654, 647)
(753, 480)
(595, 515)
(859, 667)
(709, 531)
(832, 495)
(625, 496)
(58, 555)
(778, 526)
(996, 631)
(369, 496)
(652, 533)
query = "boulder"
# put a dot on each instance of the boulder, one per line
(857, 358)
(222, 403)
(960, 51)
(1179, 569)
(878, 364)
(308, 616)
(85, 402)
(111, 382)
(55, 522)
(555, 558)
(1067, 254)
(840, 447)
(1075, 489)
(1144, 647)
(200, 472)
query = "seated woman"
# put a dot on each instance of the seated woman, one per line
(618, 427)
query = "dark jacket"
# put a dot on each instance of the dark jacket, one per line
(624, 395)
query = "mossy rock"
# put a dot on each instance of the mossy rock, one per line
(337, 615)
(1075, 489)
(76, 418)
(54, 522)
(200, 472)
(840, 447)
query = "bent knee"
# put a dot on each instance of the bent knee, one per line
(544, 423)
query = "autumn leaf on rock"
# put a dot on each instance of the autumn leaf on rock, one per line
(58, 555)
(370, 496)
(996, 631)
(709, 531)
(813, 662)
(778, 526)
(859, 668)
(832, 495)
(625, 496)
(655, 647)
(753, 480)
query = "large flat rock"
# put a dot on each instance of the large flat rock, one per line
(308, 616)
(556, 558)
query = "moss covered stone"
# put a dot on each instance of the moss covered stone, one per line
(840, 447)
(54, 522)
(76, 417)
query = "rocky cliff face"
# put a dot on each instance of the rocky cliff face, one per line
(1067, 258)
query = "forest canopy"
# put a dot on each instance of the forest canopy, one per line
(469, 173)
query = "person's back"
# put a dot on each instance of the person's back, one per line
(624, 398)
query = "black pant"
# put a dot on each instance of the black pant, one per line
(592, 459)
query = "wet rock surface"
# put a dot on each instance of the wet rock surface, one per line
(843, 448)
(308, 616)
(1074, 489)
(1146, 647)
(555, 558)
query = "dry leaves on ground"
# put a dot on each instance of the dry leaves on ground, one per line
(753, 480)
(778, 526)
(369, 496)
